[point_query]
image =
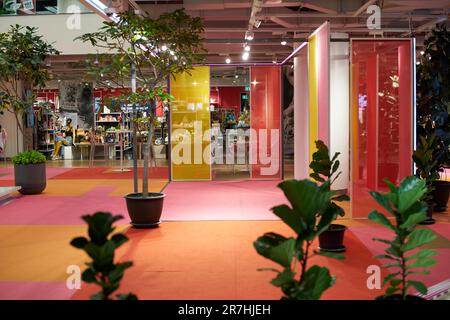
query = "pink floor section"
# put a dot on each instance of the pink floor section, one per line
(15, 290)
(34, 210)
(221, 200)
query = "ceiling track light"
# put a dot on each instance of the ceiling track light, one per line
(245, 56)
(247, 48)
(249, 35)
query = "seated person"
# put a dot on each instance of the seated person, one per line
(64, 138)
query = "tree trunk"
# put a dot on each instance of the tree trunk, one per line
(135, 162)
(147, 148)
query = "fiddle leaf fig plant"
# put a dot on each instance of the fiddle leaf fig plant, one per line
(404, 203)
(325, 170)
(297, 280)
(100, 247)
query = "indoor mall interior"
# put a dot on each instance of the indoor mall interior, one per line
(230, 136)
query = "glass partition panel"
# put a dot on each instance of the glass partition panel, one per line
(265, 114)
(382, 112)
(190, 125)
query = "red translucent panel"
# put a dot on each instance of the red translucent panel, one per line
(265, 122)
(382, 114)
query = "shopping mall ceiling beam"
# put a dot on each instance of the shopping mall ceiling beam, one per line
(282, 22)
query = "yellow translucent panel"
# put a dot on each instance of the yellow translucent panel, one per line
(313, 116)
(190, 125)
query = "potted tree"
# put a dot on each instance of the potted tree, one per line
(433, 101)
(403, 252)
(29, 172)
(298, 280)
(324, 170)
(427, 170)
(22, 68)
(149, 51)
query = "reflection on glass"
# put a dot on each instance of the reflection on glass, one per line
(381, 116)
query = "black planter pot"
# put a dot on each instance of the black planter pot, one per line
(430, 219)
(30, 177)
(145, 212)
(399, 297)
(332, 240)
(440, 194)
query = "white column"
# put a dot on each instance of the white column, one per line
(301, 115)
(340, 107)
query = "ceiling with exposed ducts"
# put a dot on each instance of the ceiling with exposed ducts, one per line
(273, 21)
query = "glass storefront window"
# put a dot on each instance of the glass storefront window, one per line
(32, 7)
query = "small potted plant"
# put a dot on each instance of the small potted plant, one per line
(29, 172)
(325, 171)
(101, 245)
(404, 203)
(298, 280)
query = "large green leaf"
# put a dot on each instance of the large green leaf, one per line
(382, 199)
(291, 217)
(381, 219)
(410, 191)
(276, 248)
(418, 238)
(419, 286)
(315, 281)
(283, 277)
(424, 253)
(422, 263)
(306, 198)
(413, 219)
(390, 277)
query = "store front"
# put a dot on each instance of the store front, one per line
(228, 129)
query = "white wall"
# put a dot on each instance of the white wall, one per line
(60, 29)
(340, 107)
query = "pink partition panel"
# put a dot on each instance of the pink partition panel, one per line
(382, 113)
(265, 114)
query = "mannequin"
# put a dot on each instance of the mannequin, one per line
(68, 134)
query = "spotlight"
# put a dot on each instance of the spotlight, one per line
(249, 35)
(245, 56)
(247, 47)
(228, 60)
(257, 24)
(283, 42)
(422, 52)
(236, 76)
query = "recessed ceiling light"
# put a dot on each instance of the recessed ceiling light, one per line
(228, 60)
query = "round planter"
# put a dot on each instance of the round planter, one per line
(145, 212)
(440, 194)
(430, 219)
(30, 177)
(399, 297)
(332, 240)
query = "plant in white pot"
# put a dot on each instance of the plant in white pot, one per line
(146, 52)
(29, 172)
